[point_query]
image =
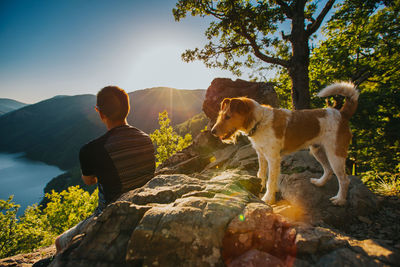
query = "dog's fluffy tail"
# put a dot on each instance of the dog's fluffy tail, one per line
(346, 89)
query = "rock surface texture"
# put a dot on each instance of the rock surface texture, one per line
(221, 88)
(216, 219)
(29, 258)
(203, 209)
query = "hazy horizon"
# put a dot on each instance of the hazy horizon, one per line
(139, 89)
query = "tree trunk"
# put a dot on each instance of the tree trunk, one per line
(298, 68)
(298, 72)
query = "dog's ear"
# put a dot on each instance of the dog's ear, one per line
(240, 105)
(243, 106)
(225, 102)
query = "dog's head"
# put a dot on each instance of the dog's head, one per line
(235, 115)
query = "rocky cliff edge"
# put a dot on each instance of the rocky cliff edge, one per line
(203, 209)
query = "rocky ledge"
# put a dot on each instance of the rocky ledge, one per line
(216, 219)
(203, 209)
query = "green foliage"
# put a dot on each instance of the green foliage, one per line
(8, 225)
(71, 177)
(249, 34)
(362, 45)
(68, 208)
(282, 86)
(168, 142)
(376, 134)
(40, 226)
(383, 183)
(236, 23)
(193, 126)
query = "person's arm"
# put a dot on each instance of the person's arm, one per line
(89, 179)
(87, 165)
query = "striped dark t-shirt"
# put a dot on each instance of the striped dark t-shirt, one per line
(122, 160)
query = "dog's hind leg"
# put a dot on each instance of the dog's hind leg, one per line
(274, 166)
(262, 169)
(339, 167)
(320, 155)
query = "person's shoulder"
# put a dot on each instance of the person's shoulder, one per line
(137, 131)
(94, 143)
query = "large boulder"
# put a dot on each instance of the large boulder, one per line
(203, 209)
(314, 201)
(221, 88)
(303, 199)
(196, 157)
(211, 220)
(331, 248)
(261, 233)
(173, 220)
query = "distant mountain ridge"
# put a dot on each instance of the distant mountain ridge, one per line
(8, 105)
(53, 130)
(147, 103)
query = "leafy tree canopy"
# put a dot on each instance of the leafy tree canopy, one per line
(246, 34)
(362, 45)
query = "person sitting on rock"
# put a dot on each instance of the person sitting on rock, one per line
(120, 160)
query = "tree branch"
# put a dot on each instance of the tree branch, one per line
(210, 10)
(285, 7)
(228, 49)
(259, 54)
(362, 78)
(313, 27)
(312, 20)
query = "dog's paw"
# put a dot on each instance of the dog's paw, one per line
(338, 201)
(261, 174)
(316, 182)
(268, 198)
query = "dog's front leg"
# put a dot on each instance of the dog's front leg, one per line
(274, 165)
(262, 169)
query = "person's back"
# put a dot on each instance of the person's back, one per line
(120, 160)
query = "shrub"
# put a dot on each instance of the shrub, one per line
(167, 141)
(39, 226)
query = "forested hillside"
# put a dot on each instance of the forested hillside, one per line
(53, 130)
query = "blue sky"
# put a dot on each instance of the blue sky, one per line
(69, 47)
(60, 47)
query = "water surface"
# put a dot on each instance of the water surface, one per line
(24, 178)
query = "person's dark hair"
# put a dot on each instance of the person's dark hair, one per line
(113, 102)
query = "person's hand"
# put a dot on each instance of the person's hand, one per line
(89, 180)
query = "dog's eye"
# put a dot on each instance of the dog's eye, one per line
(227, 117)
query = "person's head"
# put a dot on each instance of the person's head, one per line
(113, 104)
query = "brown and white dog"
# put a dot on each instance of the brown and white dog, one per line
(276, 132)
